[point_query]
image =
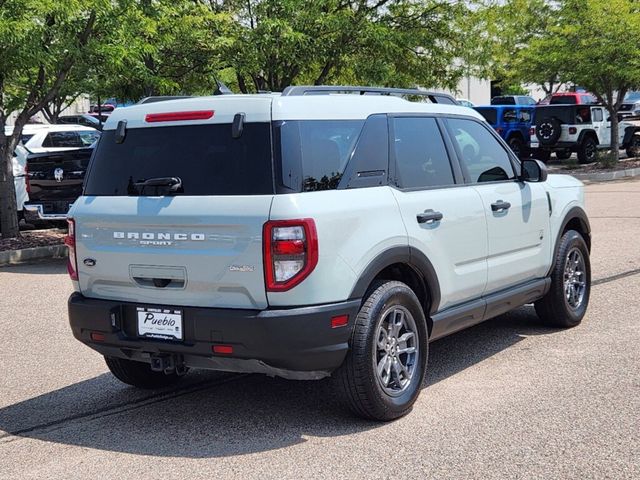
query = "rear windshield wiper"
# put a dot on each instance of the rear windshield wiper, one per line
(174, 185)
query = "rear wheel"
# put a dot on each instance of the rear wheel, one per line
(382, 375)
(542, 155)
(139, 374)
(566, 302)
(587, 150)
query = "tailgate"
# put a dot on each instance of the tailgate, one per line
(187, 251)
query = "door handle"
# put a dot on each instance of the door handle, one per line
(500, 206)
(429, 216)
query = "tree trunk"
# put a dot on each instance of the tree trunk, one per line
(615, 144)
(8, 207)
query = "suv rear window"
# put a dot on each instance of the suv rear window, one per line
(563, 100)
(205, 157)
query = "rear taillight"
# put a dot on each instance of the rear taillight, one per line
(532, 131)
(27, 184)
(70, 242)
(290, 252)
(573, 130)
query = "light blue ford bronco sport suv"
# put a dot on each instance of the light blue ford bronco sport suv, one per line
(323, 231)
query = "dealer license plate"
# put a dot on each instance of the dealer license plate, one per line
(164, 323)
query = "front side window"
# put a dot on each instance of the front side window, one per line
(421, 157)
(597, 114)
(481, 155)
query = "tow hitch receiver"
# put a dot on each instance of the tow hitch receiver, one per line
(168, 364)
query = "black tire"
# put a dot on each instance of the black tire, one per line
(587, 150)
(633, 150)
(548, 130)
(358, 379)
(563, 154)
(139, 374)
(542, 155)
(554, 309)
(517, 146)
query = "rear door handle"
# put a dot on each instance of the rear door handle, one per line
(429, 216)
(500, 206)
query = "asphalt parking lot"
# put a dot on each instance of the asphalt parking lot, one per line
(505, 399)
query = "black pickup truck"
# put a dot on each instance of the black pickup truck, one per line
(54, 181)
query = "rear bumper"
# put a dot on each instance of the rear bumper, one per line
(296, 343)
(51, 211)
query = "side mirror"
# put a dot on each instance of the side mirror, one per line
(533, 171)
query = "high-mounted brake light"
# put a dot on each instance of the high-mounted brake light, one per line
(70, 242)
(178, 116)
(290, 252)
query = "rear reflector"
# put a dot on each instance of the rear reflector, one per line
(97, 336)
(178, 116)
(339, 321)
(223, 349)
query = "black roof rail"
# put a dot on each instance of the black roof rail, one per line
(434, 97)
(161, 99)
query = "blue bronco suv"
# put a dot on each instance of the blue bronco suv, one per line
(512, 123)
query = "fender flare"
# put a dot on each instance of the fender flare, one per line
(573, 213)
(584, 133)
(410, 256)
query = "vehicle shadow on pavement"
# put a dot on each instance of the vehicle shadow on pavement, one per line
(216, 415)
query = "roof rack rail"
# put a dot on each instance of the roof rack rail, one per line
(434, 97)
(156, 99)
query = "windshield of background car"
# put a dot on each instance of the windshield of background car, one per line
(314, 153)
(207, 159)
(490, 114)
(632, 97)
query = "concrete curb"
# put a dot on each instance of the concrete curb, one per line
(606, 176)
(13, 257)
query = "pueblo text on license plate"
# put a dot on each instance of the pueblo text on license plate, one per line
(165, 323)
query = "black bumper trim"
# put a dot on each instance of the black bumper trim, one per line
(296, 339)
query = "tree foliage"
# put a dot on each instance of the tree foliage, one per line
(276, 43)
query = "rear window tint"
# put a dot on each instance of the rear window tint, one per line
(314, 153)
(563, 100)
(490, 114)
(205, 157)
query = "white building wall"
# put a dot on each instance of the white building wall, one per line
(474, 89)
(79, 105)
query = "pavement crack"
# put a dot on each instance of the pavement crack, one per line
(114, 410)
(615, 277)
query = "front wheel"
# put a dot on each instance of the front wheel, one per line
(382, 375)
(566, 302)
(633, 150)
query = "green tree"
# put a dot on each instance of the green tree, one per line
(276, 43)
(41, 41)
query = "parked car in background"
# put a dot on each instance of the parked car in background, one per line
(465, 103)
(104, 108)
(513, 100)
(583, 129)
(84, 119)
(54, 180)
(630, 106)
(513, 124)
(52, 138)
(573, 98)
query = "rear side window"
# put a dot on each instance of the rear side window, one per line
(509, 116)
(420, 154)
(481, 154)
(490, 114)
(524, 116)
(205, 157)
(314, 153)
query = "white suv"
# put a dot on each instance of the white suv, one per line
(324, 231)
